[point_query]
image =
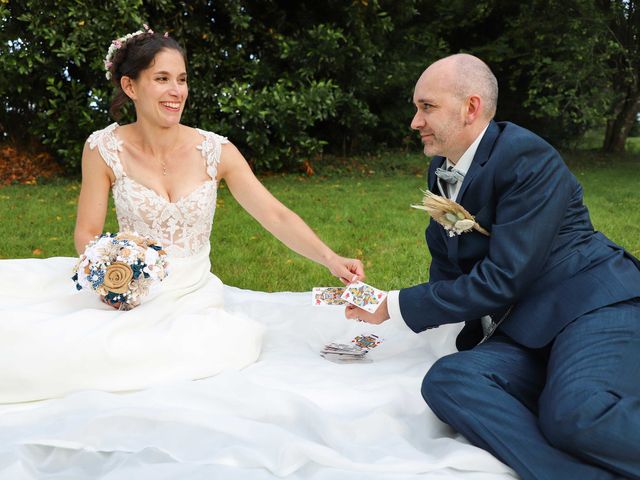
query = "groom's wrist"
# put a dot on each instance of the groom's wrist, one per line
(393, 307)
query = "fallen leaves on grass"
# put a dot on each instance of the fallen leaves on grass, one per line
(26, 168)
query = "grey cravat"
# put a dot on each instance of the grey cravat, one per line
(450, 175)
(447, 177)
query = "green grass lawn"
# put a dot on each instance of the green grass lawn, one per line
(360, 208)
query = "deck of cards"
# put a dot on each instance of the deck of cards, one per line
(357, 293)
(354, 352)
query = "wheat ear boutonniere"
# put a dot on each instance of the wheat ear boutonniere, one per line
(451, 215)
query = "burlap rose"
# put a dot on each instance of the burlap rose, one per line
(117, 277)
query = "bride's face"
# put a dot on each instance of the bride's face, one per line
(160, 91)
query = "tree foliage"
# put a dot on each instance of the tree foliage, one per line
(287, 81)
(284, 80)
(53, 89)
(621, 18)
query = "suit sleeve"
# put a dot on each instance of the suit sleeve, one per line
(534, 188)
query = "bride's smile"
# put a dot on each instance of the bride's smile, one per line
(171, 106)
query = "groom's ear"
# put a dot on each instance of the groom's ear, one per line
(473, 108)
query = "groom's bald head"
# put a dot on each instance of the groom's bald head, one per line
(467, 75)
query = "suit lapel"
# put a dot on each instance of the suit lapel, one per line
(436, 163)
(480, 158)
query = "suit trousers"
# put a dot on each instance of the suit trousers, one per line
(569, 410)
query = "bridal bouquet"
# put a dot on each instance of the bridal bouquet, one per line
(120, 267)
(451, 215)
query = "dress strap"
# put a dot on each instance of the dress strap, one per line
(108, 145)
(210, 149)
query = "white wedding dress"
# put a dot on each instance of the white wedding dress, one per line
(88, 392)
(54, 340)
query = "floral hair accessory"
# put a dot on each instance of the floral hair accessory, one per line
(118, 43)
(451, 215)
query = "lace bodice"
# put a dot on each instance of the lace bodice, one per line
(182, 227)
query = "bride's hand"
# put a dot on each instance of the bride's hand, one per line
(348, 270)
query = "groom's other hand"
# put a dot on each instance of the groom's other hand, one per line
(380, 315)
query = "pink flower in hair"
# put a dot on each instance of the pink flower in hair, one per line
(118, 43)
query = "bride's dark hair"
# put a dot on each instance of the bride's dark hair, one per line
(134, 56)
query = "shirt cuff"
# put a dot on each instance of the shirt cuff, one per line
(393, 306)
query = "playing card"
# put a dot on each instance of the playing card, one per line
(347, 359)
(367, 342)
(343, 356)
(354, 352)
(323, 296)
(343, 348)
(364, 296)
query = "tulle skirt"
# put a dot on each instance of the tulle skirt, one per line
(55, 339)
(289, 414)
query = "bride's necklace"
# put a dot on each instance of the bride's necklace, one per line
(163, 164)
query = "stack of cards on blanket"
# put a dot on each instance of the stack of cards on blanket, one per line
(357, 293)
(361, 295)
(354, 352)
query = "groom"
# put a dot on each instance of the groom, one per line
(548, 373)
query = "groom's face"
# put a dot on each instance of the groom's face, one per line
(439, 117)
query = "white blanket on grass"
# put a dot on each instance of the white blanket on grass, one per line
(292, 414)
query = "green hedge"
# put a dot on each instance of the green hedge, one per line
(288, 81)
(281, 88)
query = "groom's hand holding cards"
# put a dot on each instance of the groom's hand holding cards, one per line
(365, 303)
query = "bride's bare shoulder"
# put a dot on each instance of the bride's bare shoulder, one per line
(192, 134)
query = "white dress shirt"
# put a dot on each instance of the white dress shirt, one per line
(463, 165)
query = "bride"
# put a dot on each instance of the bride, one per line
(164, 177)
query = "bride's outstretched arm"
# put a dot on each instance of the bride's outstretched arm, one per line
(94, 198)
(284, 224)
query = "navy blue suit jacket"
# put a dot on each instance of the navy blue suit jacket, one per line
(543, 265)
